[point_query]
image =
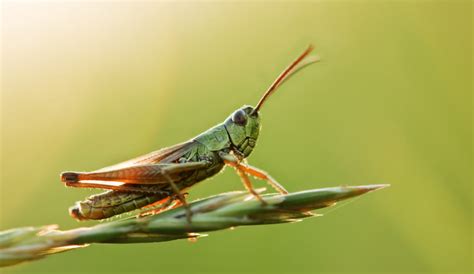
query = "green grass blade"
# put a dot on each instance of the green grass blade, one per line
(217, 212)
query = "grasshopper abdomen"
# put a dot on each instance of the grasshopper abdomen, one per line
(111, 203)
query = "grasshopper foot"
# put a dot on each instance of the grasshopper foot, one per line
(258, 197)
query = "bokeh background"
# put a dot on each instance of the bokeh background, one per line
(88, 84)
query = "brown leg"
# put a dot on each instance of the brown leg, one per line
(163, 206)
(180, 196)
(93, 185)
(124, 187)
(157, 207)
(259, 174)
(248, 185)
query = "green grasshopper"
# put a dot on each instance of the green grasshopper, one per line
(162, 177)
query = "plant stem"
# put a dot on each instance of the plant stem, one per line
(218, 212)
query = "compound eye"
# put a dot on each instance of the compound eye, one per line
(239, 117)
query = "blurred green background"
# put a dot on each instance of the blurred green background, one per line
(90, 84)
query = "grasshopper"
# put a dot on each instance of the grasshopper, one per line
(162, 177)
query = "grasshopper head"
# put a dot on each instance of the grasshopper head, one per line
(243, 126)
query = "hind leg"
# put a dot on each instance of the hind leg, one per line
(170, 203)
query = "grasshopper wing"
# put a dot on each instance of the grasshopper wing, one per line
(165, 155)
(158, 167)
(137, 174)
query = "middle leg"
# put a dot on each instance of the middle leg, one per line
(179, 195)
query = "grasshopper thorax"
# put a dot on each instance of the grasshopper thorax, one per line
(243, 127)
